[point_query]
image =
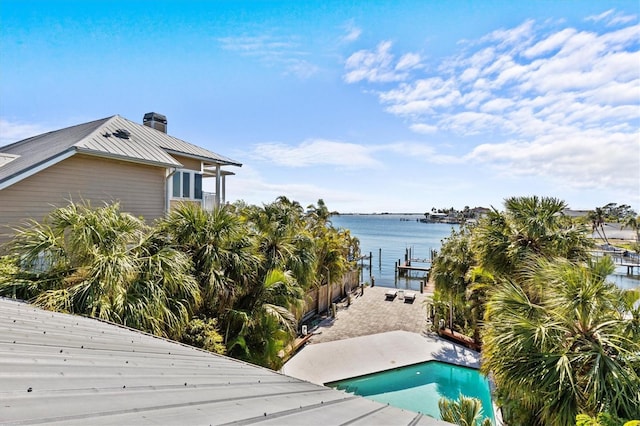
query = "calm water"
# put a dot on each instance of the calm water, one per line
(391, 235)
(419, 387)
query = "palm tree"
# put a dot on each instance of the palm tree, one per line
(559, 342)
(320, 214)
(336, 250)
(282, 239)
(478, 291)
(450, 269)
(221, 249)
(260, 324)
(106, 264)
(597, 218)
(465, 411)
(633, 222)
(264, 322)
(530, 226)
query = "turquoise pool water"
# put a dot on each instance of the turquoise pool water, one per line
(419, 387)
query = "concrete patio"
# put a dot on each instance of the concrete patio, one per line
(341, 359)
(373, 334)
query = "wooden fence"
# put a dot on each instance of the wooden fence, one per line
(319, 299)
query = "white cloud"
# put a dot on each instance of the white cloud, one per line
(611, 17)
(419, 151)
(622, 19)
(409, 149)
(285, 52)
(518, 36)
(353, 33)
(614, 93)
(497, 105)
(589, 159)
(559, 103)
(349, 156)
(549, 44)
(600, 17)
(422, 97)
(301, 68)
(469, 75)
(378, 66)
(473, 123)
(423, 128)
(12, 132)
(254, 188)
(257, 45)
(483, 57)
(408, 61)
(317, 152)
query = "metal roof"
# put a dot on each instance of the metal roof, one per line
(143, 144)
(63, 369)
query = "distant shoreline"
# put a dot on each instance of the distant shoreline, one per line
(377, 214)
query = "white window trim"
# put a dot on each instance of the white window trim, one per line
(192, 185)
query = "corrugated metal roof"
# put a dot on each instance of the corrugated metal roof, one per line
(39, 149)
(62, 369)
(145, 145)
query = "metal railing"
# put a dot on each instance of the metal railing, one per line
(208, 200)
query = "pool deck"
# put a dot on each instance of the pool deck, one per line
(371, 335)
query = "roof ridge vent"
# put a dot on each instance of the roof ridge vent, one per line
(122, 133)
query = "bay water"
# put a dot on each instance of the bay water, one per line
(388, 237)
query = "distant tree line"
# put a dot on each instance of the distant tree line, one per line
(612, 212)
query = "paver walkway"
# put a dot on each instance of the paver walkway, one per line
(371, 313)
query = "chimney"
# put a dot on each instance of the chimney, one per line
(155, 121)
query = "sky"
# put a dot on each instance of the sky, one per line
(372, 106)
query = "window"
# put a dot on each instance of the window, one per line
(186, 184)
(197, 186)
(176, 184)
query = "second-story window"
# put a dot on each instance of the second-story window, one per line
(177, 178)
(197, 186)
(187, 184)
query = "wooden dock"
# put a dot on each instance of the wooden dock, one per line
(404, 269)
(630, 266)
(620, 258)
(408, 268)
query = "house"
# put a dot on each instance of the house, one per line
(107, 160)
(576, 213)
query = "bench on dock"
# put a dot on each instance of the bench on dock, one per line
(409, 297)
(459, 338)
(390, 294)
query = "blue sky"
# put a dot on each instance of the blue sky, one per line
(373, 106)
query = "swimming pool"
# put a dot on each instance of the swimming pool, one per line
(419, 387)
